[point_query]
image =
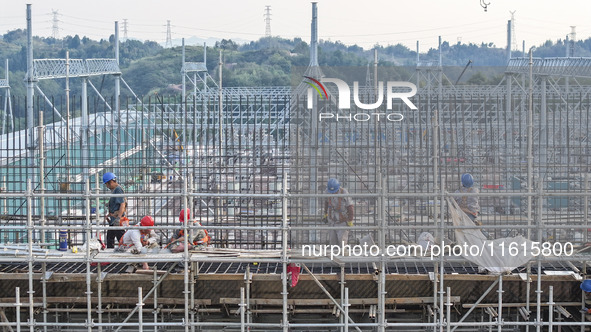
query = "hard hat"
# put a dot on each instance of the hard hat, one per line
(147, 221)
(108, 177)
(182, 215)
(586, 285)
(333, 186)
(467, 180)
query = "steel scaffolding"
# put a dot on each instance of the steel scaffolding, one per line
(259, 193)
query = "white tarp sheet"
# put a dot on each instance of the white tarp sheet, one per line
(497, 256)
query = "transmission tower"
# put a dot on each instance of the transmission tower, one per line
(168, 35)
(125, 29)
(573, 39)
(267, 21)
(514, 45)
(55, 30)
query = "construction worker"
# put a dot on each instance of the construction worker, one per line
(338, 212)
(586, 287)
(138, 241)
(469, 203)
(200, 238)
(116, 208)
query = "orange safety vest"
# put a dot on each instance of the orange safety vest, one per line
(205, 240)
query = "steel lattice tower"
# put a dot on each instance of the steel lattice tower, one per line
(514, 45)
(267, 21)
(168, 35)
(573, 39)
(125, 28)
(55, 31)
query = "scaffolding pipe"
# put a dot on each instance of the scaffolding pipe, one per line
(336, 303)
(87, 257)
(117, 108)
(17, 306)
(448, 305)
(475, 305)
(242, 306)
(30, 79)
(551, 308)
(284, 257)
(30, 229)
(147, 296)
(99, 290)
(186, 257)
(155, 310)
(500, 304)
(539, 269)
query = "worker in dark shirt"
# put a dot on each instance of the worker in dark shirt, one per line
(117, 207)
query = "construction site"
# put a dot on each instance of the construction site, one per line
(252, 165)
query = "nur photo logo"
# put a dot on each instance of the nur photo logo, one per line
(394, 90)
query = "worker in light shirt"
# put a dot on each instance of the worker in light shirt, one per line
(137, 240)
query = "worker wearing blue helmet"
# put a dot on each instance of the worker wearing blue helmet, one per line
(338, 212)
(469, 203)
(116, 207)
(586, 287)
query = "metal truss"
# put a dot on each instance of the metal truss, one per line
(191, 67)
(566, 67)
(57, 68)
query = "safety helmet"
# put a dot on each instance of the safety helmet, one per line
(147, 221)
(333, 186)
(182, 215)
(467, 180)
(108, 177)
(586, 285)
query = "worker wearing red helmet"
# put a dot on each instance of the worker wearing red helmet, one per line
(138, 240)
(199, 237)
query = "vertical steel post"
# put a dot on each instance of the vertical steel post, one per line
(186, 260)
(284, 258)
(543, 144)
(508, 40)
(500, 304)
(85, 164)
(155, 312)
(99, 290)
(183, 74)
(530, 153)
(242, 305)
(87, 258)
(42, 213)
(551, 308)
(140, 311)
(586, 207)
(117, 106)
(30, 226)
(30, 79)
(539, 291)
(448, 310)
(17, 308)
(314, 37)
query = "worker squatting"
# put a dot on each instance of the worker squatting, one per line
(360, 117)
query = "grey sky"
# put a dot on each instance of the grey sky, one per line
(352, 22)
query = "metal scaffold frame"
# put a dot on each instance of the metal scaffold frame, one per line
(251, 164)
